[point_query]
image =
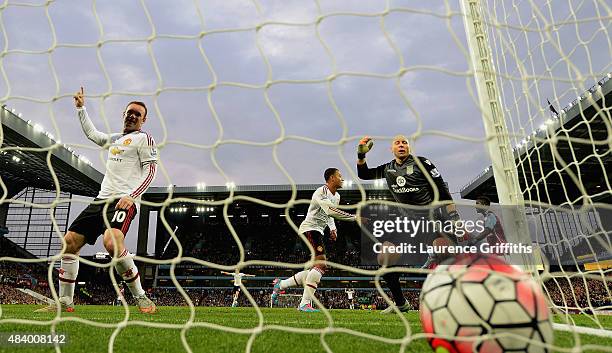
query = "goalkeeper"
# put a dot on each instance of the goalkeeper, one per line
(408, 183)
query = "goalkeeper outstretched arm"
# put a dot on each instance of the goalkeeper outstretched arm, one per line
(363, 172)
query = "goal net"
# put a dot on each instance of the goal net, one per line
(273, 92)
(553, 76)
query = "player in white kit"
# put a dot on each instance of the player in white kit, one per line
(130, 168)
(237, 282)
(350, 293)
(321, 213)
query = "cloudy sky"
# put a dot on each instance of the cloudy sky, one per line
(170, 53)
(120, 51)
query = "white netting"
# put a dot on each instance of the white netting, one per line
(553, 72)
(310, 78)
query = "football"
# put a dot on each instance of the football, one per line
(465, 299)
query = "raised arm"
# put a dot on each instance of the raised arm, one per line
(363, 172)
(97, 137)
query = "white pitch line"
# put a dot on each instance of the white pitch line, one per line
(583, 330)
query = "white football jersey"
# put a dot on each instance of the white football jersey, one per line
(131, 161)
(321, 210)
(238, 278)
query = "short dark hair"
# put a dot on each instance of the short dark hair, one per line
(329, 172)
(484, 200)
(137, 103)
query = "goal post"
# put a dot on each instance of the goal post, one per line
(496, 139)
(543, 91)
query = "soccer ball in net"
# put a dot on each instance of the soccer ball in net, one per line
(474, 296)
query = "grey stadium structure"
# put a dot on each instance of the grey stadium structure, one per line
(29, 160)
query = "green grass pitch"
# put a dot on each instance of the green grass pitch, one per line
(134, 337)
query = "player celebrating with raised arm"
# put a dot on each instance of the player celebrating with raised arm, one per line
(321, 213)
(408, 184)
(130, 169)
(237, 282)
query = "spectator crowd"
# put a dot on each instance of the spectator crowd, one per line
(578, 293)
(572, 294)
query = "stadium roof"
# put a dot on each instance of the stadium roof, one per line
(541, 175)
(27, 166)
(269, 193)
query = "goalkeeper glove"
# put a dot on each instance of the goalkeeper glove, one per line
(365, 145)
